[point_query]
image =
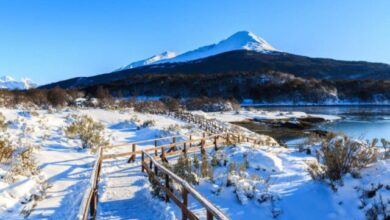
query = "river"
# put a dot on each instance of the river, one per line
(364, 122)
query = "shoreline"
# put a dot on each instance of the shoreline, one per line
(316, 105)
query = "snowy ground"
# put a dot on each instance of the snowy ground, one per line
(65, 167)
(285, 190)
(124, 190)
(242, 115)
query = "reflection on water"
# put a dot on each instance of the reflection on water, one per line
(364, 122)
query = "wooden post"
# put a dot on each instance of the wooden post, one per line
(209, 215)
(93, 204)
(173, 146)
(163, 158)
(142, 164)
(155, 146)
(227, 138)
(156, 170)
(190, 141)
(185, 203)
(167, 186)
(132, 158)
(216, 143)
(202, 143)
(185, 149)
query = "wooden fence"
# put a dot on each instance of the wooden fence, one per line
(163, 152)
(223, 134)
(90, 199)
(153, 168)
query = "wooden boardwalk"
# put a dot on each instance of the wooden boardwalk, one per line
(149, 158)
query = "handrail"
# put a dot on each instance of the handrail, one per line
(89, 201)
(217, 213)
(110, 156)
(141, 142)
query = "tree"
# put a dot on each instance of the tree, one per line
(57, 97)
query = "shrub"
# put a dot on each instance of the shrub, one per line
(379, 210)
(183, 168)
(206, 170)
(214, 161)
(150, 106)
(104, 97)
(3, 123)
(171, 103)
(386, 148)
(57, 97)
(23, 164)
(90, 133)
(148, 123)
(340, 155)
(6, 149)
(196, 162)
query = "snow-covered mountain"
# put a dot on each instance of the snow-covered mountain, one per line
(159, 57)
(242, 40)
(7, 82)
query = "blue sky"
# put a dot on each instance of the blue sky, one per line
(51, 40)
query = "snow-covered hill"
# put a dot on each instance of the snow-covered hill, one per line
(160, 57)
(242, 40)
(7, 82)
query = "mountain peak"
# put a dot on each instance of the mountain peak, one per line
(249, 41)
(242, 40)
(8, 82)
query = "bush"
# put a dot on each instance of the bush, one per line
(90, 133)
(340, 155)
(3, 123)
(150, 106)
(386, 148)
(206, 170)
(171, 104)
(6, 149)
(104, 97)
(183, 168)
(379, 210)
(23, 164)
(148, 123)
(57, 97)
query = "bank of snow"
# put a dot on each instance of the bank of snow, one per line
(253, 114)
(276, 184)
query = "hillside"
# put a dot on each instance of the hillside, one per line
(247, 61)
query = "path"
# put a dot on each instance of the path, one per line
(124, 194)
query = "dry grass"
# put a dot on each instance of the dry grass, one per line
(6, 150)
(90, 132)
(339, 155)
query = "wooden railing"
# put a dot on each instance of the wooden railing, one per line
(222, 135)
(90, 199)
(154, 167)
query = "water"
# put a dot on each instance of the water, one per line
(365, 122)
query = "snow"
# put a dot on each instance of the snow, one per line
(242, 40)
(64, 165)
(159, 57)
(7, 82)
(284, 187)
(253, 114)
(125, 194)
